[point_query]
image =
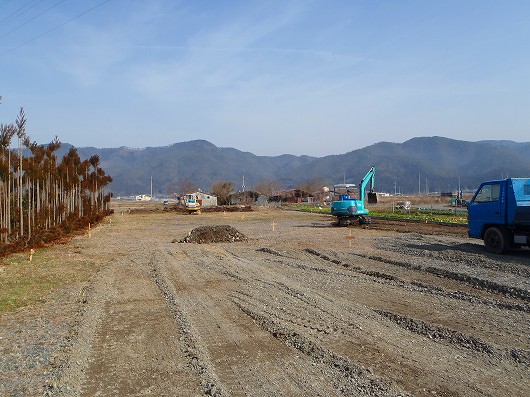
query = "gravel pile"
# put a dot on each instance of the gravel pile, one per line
(214, 234)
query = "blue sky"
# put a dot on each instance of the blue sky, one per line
(269, 77)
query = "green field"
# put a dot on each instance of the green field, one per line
(424, 215)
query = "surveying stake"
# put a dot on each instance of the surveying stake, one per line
(350, 237)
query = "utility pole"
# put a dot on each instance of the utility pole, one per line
(243, 186)
(419, 184)
(151, 187)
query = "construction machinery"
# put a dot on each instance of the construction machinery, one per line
(193, 206)
(499, 213)
(347, 208)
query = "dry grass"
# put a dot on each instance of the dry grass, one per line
(23, 283)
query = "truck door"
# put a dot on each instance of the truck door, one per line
(486, 208)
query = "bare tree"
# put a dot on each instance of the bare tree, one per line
(222, 190)
(187, 186)
(268, 187)
(312, 185)
(171, 189)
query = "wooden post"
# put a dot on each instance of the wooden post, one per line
(89, 234)
(350, 238)
(273, 225)
(31, 252)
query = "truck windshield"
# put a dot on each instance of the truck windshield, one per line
(488, 193)
(521, 188)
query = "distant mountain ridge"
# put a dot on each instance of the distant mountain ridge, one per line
(426, 163)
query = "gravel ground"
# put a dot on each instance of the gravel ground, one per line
(301, 308)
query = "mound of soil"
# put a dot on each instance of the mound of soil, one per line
(214, 234)
(220, 208)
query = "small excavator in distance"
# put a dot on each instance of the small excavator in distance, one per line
(348, 209)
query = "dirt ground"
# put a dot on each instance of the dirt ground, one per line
(300, 309)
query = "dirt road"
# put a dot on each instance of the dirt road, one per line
(301, 309)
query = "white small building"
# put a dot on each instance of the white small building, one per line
(143, 197)
(204, 199)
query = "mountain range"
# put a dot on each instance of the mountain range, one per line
(426, 164)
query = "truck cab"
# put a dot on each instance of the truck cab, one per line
(499, 213)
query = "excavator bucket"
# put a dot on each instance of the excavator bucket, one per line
(372, 198)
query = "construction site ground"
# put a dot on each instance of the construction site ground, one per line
(292, 307)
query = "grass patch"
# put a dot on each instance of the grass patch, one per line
(423, 215)
(24, 283)
(437, 216)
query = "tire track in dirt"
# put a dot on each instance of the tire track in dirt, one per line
(195, 353)
(503, 274)
(474, 282)
(284, 304)
(257, 279)
(450, 250)
(445, 334)
(117, 350)
(312, 318)
(73, 373)
(433, 331)
(246, 360)
(349, 378)
(262, 283)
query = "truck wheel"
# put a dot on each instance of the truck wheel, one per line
(494, 240)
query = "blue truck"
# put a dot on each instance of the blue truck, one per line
(499, 213)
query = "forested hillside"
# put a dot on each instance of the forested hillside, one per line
(425, 163)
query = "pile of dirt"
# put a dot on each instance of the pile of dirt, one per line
(219, 208)
(214, 234)
(229, 208)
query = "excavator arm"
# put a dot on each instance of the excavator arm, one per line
(369, 178)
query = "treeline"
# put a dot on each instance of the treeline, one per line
(42, 197)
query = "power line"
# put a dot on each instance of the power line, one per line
(54, 28)
(32, 19)
(3, 3)
(25, 8)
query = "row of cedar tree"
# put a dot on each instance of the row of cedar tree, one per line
(42, 198)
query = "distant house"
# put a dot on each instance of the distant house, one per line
(204, 199)
(292, 196)
(246, 197)
(143, 197)
(262, 200)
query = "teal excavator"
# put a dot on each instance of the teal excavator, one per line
(348, 208)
